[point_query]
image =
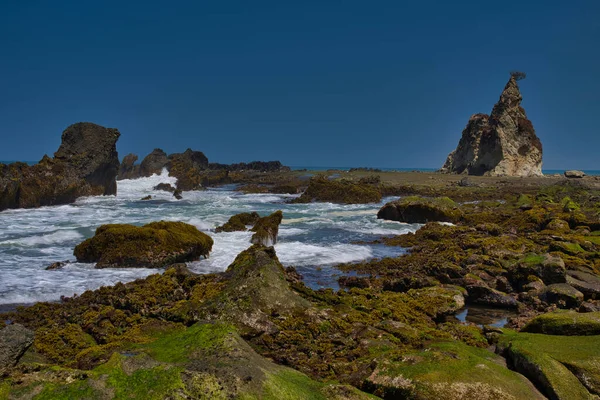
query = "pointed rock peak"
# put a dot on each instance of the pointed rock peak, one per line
(509, 99)
(505, 144)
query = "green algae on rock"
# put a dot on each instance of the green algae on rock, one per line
(239, 222)
(342, 191)
(563, 367)
(153, 245)
(568, 323)
(266, 229)
(414, 209)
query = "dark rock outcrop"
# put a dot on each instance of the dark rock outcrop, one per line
(154, 245)
(416, 209)
(14, 340)
(239, 222)
(263, 166)
(128, 169)
(501, 144)
(187, 167)
(266, 229)
(86, 164)
(341, 191)
(154, 163)
(166, 187)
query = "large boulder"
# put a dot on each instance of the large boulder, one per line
(414, 209)
(187, 167)
(501, 144)
(154, 245)
(86, 164)
(341, 191)
(569, 323)
(14, 340)
(153, 163)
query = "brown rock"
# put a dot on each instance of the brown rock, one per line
(501, 144)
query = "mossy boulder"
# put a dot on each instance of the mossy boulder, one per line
(416, 209)
(549, 268)
(341, 191)
(239, 222)
(563, 295)
(563, 367)
(450, 371)
(569, 323)
(256, 289)
(266, 229)
(154, 245)
(204, 361)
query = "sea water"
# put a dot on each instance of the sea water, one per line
(312, 237)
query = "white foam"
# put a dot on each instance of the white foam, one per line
(304, 254)
(55, 237)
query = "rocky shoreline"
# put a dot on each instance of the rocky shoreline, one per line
(528, 244)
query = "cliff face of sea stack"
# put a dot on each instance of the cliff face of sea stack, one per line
(501, 144)
(86, 164)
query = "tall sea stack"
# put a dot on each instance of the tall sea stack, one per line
(86, 164)
(501, 144)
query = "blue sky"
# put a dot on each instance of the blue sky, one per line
(345, 83)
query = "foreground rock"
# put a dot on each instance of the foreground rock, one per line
(415, 209)
(86, 164)
(501, 144)
(15, 339)
(569, 323)
(154, 245)
(563, 367)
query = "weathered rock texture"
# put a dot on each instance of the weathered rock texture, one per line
(86, 164)
(501, 144)
(128, 169)
(14, 340)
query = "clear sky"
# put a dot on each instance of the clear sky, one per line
(317, 83)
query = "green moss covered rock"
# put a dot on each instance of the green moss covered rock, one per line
(154, 245)
(342, 191)
(563, 367)
(416, 209)
(239, 222)
(569, 323)
(266, 229)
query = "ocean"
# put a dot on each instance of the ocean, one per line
(312, 237)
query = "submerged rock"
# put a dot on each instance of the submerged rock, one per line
(164, 187)
(154, 245)
(266, 229)
(503, 143)
(86, 164)
(416, 209)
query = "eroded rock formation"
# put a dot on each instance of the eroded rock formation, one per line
(86, 164)
(501, 144)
